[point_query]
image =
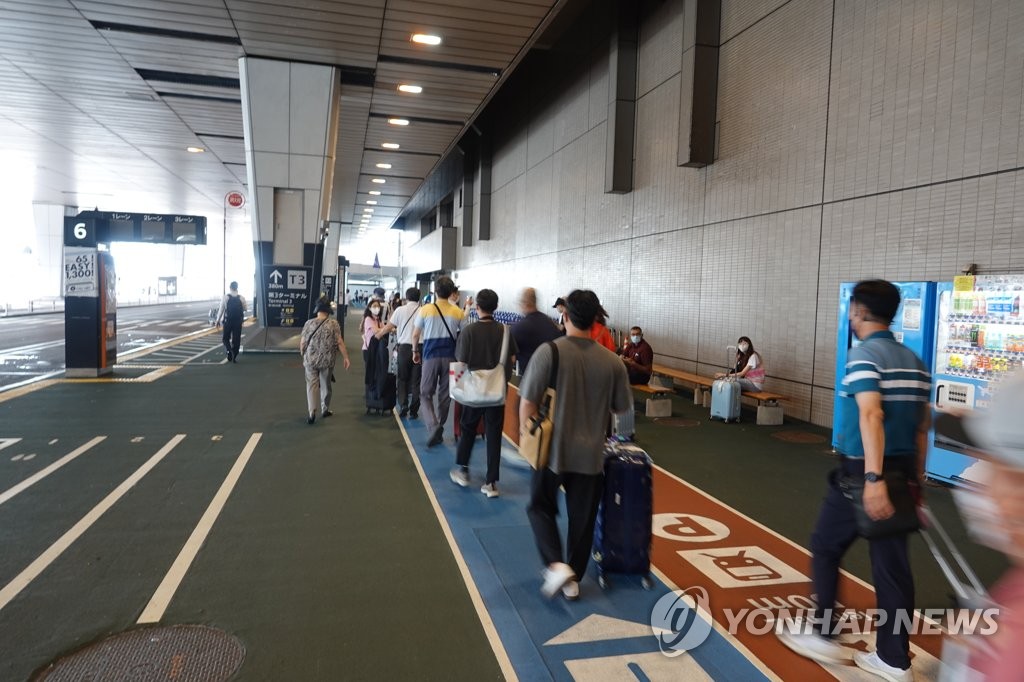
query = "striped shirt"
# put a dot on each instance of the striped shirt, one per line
(882, 365)
(436, 340)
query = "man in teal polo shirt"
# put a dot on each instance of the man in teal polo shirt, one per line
(885, 402)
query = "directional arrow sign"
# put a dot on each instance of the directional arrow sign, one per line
(5, 442)
(276, 276)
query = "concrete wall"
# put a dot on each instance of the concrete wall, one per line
(857, 139)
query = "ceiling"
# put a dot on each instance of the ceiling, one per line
(102, 97)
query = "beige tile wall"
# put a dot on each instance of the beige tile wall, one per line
(853, 135)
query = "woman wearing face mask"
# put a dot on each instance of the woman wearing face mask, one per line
(749, 367)
(372, 325)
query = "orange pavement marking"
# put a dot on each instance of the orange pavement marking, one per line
(747, 577)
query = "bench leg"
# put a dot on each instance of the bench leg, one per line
(769, 413)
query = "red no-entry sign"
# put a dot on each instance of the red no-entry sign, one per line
(235, 199)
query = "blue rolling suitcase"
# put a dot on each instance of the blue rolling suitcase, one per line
(725, 400)
(622, 535)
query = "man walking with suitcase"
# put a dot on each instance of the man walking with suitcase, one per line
(885, 399)
(590, 382)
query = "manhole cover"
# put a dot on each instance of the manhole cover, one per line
(677, 421)
(798, 437)
(183, 653)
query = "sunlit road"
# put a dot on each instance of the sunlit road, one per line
(33, 345)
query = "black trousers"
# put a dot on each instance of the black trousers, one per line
(408, 380)
(494, 420)
(232, 336)
(836, 530)
(582, 497)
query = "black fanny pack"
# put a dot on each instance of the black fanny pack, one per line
(901, 493)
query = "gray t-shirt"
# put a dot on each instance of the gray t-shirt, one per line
(591, 383)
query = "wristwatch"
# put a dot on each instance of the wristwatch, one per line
(872, 477)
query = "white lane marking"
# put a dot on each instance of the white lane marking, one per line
(28, 457)
(215, 438)
(22, 580)
(17, 457)
(7, 442)
(202, 353)
(504, 662)
(138, 439)
(54, 441)
(154, 611)
(40, 475)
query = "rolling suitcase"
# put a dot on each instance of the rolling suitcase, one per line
(725, 400)
(622, 535)
(381, 389)
(624, 425)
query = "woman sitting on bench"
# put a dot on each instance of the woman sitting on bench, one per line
(749, 367)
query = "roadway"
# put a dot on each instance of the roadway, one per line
(32, 346)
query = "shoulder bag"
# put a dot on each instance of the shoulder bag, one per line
(535, 436)
(479, 387)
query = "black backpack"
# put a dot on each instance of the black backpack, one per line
(234, 310)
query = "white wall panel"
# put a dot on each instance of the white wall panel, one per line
(661, 44)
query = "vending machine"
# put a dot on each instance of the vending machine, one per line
(979, 339)
(913, 326)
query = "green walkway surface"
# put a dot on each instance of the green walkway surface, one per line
(327, 561)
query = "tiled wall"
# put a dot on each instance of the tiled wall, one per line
(857, 139)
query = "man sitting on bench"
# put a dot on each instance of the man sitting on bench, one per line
(638, 356)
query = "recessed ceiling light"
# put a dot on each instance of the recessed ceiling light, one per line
(371, 202)
(379, 181)
(411, 89)
(385, 166)
(375, 192)
(398, 121)
(426, 39)
(367, 210)
(390, 145)
(195, 150)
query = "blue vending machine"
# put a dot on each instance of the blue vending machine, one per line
(914, 326)
(979, 339)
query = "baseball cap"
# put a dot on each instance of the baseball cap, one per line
(998, 432)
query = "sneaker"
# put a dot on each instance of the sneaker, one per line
(437, 437)
(403, 412)
(554, 578)
(489, 489)
(872, 663)
(326, 413)
(459, 476)
(571, 590)
(311, 418)
(814, 646)
(413, 414)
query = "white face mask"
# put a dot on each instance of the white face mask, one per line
(375, 310)
(744, 347)
(635, 339)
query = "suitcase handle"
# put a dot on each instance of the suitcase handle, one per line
(970, 594)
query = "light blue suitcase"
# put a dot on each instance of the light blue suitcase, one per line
(725, 400)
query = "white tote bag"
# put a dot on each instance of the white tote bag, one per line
(479, 387)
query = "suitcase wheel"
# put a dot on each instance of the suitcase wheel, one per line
(602, 582)
(646, 582)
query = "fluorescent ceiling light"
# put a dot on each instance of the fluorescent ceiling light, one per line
(411, 89)
(398, 121)
(426, 39)
(371, 202)
(367, 210)
(195, 150)
(390, 145)
(385, 166)
(379, 181)
(375, 192)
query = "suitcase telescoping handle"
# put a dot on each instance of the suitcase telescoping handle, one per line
(971, 593)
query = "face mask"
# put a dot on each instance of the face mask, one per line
(375, 310)
(744, 347)
(635, 339)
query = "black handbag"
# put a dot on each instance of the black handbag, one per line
(904, 520)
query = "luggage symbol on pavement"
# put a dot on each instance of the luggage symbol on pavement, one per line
(742, 566)
(688, 528)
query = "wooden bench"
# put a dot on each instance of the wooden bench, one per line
(647, 388)
(702, 391)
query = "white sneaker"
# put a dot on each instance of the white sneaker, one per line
(816, 647)
(489, 489)
(554, 578)
(459, 476)
(876, 666)
(571, 590)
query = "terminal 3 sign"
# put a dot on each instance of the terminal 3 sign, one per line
(89, 228)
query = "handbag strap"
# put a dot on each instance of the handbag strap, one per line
(503, 356)
(410, 320)
(553, 379)
(444, 322)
